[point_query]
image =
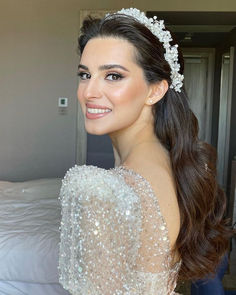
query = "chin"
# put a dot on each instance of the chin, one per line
(96, 131)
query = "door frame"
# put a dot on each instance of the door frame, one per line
(224, 119)
(208, 53)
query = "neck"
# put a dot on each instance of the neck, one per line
(126, 142)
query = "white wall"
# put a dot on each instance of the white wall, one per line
(37, 65)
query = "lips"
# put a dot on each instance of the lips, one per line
(96, 111)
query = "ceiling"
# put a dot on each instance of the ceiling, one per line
(207, 29)
(195, 18)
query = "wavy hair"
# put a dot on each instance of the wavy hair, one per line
(204, 234)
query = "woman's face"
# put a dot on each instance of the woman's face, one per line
(112, 89)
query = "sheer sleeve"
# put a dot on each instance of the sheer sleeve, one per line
(100, 229)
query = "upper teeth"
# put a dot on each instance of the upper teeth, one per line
(96, 111)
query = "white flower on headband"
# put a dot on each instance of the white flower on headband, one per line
(157, 27)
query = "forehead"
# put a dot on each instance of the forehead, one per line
(108, 50)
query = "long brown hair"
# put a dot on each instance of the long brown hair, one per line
(204, 235)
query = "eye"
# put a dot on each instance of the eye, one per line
(114, 77)
(84, 75)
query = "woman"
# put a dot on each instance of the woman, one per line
(159, 213)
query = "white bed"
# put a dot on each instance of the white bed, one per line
(29, 237)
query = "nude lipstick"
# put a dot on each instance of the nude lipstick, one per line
(96, 111)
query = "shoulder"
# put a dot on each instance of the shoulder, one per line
(93, 181)
(86, 175)
(87, 178)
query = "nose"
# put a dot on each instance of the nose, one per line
(92, 89)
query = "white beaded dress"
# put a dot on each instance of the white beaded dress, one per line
(114, 239)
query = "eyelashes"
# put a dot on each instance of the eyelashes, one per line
(110, 76)
(83, 75)
(114, 76)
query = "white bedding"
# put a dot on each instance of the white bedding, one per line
(29, 232)
(21, 288)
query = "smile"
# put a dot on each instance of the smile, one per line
(97, 111)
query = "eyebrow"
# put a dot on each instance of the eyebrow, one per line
(104, 67)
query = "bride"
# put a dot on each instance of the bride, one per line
(158, 215)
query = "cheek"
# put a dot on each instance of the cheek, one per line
(130, 95)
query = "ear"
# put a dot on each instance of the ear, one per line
(157, 91)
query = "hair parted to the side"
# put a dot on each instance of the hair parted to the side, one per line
(204, 234)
